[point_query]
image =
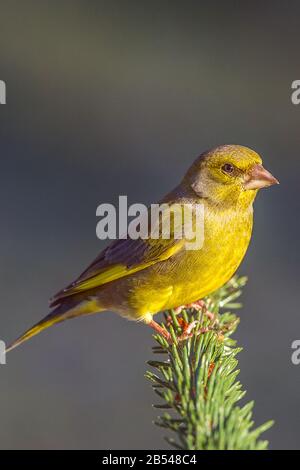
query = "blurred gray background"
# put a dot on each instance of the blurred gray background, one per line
(118, 97)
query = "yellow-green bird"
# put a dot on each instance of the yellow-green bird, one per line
(138, 278)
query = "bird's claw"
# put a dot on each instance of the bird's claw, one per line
(187, 329)
(199, 305)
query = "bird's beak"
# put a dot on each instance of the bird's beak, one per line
(258, 178)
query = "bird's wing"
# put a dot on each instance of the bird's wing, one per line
(121, 258)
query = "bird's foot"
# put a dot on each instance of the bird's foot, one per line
(188, 329)
(199, 305)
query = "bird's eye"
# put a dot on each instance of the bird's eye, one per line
(228, 168)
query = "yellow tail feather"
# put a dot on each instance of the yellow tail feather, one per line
(59, 314)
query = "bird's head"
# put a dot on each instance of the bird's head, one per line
(229, 174)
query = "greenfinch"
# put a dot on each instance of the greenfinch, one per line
(140, 277)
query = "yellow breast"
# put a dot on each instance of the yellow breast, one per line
(192, 274)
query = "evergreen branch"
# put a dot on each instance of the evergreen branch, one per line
(197, 381)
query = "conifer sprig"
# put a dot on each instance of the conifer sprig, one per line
(197, 382)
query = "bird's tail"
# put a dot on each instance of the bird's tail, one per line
(65, 311)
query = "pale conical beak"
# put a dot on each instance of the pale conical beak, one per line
(259, 178)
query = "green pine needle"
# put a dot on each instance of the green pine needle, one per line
(197, 380)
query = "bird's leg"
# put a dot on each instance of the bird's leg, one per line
(159, 329)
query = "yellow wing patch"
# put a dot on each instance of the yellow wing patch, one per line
(112, 272)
